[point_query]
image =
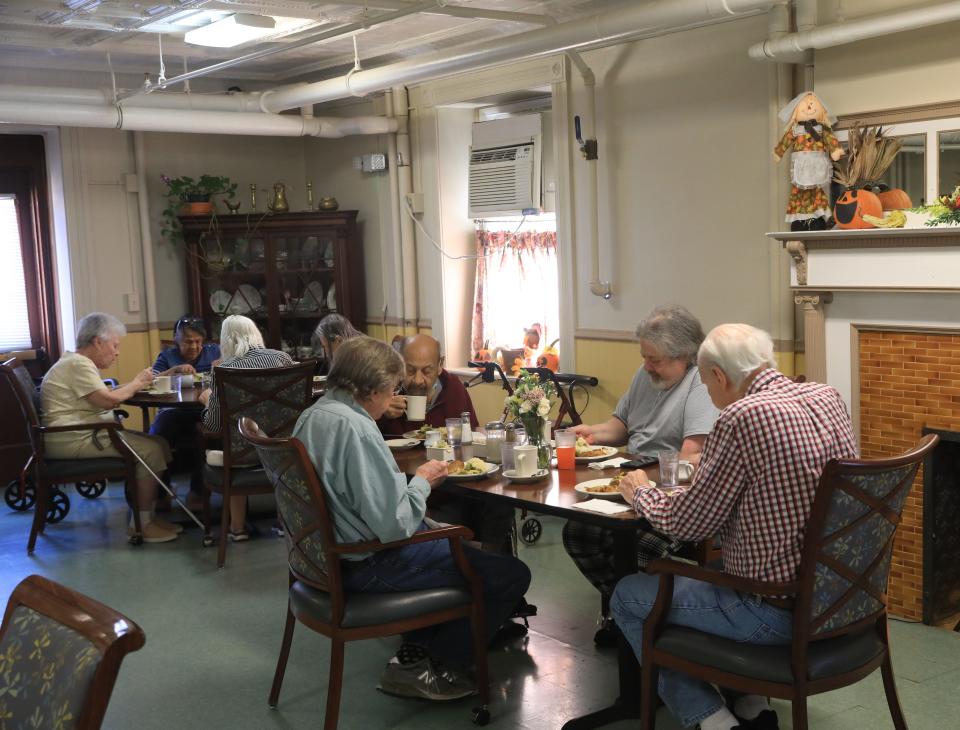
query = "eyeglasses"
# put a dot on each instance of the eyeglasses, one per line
(192, 323)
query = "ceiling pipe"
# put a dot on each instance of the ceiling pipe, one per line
(612, 26)
(146, 119)
(792, 46)
(235, 102)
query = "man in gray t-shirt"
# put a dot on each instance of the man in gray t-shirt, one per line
(667, 407)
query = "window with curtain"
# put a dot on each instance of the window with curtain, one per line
(15, 320)
(516, 306)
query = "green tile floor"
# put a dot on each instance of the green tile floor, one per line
(213, 637)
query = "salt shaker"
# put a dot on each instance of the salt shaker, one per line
(466, 435)
(494, 431)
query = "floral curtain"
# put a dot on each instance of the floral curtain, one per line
(516, 287)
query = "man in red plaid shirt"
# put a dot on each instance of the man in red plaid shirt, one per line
(755, 487)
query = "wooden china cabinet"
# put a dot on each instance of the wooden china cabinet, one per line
(285, 271)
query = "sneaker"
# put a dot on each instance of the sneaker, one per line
(766, 720)
(241, 536)
(509, 631)
(606, 635)
(277, 529)
(168, 526)
(152, 532)
(425, 679)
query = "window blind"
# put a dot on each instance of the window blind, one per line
(14, 319)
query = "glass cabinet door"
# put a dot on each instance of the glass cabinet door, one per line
(306, 288)
(235, 274)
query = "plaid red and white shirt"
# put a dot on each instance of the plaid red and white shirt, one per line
(757, 477)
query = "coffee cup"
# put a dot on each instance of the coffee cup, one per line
(684, 471)
(186, 380)
(525, 460)
(416, 407)
(162, 384)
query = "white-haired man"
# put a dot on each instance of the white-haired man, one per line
(755, 486)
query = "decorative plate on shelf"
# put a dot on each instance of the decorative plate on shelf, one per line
(332, 298)
(238, 305)
(313, 297)
(250, 294)
(219, 301)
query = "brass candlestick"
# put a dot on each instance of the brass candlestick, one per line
(309, 195)
(253, 196)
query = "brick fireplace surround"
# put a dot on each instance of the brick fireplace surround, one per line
(908, 380)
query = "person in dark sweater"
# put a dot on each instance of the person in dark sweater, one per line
(424, 375)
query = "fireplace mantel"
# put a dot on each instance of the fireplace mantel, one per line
(894, 261)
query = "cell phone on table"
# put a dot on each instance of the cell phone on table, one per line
(637, 464)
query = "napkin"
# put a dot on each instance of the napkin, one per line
(603, 506)
(608, 464)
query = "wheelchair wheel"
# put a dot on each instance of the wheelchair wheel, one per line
(530, 530)
(59, 506)
(16, 501)
(92, 490)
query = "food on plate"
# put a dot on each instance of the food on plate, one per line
(582, 448)
(610, 487)
(422, 431)
(473, 466)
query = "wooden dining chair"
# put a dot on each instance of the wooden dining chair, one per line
(61, 654)
(275, 398)
(316, 596)
(52, 504)
(840, 599)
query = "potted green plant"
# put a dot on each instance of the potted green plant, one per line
(189, 196)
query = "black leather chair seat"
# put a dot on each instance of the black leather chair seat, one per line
(369, 609)
(240, 478)
(82, 469)
(827, 658)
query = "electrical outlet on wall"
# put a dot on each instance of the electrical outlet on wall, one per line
(133, 301)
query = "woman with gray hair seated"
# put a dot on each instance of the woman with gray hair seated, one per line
(73, 392)
(331, 332)
(370, 499)
(241, 345)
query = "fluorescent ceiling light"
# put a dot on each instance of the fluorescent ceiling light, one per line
(232, 31)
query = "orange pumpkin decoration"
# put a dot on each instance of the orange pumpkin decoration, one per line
(549, 358)
(895, 199)
(531, 336)
(853, 205)
(483, 354)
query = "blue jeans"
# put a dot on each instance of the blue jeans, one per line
(723, 612)
(431, 565)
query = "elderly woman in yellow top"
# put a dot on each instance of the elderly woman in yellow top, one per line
(73, 392)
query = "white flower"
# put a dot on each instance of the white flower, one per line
(544, 408)
(526, 406)
(508, 401)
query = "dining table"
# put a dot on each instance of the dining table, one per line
(555, 495)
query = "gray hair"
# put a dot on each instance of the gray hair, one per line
(363, 365)
(239, 335)
(673, 331)
(98, 324)
(332, 327)
(738, 350)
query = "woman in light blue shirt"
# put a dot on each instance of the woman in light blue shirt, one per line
(370, 499)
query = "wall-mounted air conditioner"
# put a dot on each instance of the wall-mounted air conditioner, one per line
(505, 166)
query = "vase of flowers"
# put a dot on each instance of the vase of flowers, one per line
(530, 404)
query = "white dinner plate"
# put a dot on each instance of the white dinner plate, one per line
(249, 295)
(608, 451)
(332, 298)
(313, 297)
(219, 301)
(491, 470)
(402, 444)
(583, 488)
(419, 435)
(535, 477)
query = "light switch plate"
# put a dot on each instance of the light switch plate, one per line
(133, 301)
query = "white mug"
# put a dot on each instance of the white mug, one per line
(525, 460)
(186, 380)
(162, 384)
(416, 407)
(685, 471)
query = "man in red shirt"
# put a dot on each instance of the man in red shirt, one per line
(755, 486)
(446, 396)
